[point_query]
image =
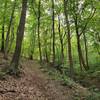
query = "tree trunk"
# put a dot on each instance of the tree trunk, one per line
(61, 41)
(68, 38)
(3, 27)
(53, 31)
(81, 59)
(11, 38)
(46, 46)
(2, 42)
(86, 50)
(8, 32)
(32, 43)
(39, 41)
(20, 33)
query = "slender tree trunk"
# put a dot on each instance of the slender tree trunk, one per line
(53, 31)
(80, 53)
(3, 27)
(50, 47)
(68, 38)
(61, 41)
(11, 38)
(86, 50)
(31, 55)
(32, 43)
(46, 46)
(39, 41)
(2, 42)
(81, 59)
(20, 33)
(8, 32)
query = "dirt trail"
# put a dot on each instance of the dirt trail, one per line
(34, 85)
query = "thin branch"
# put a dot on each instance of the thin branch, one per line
(88, 19)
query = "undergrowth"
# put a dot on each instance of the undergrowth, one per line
(67, 81)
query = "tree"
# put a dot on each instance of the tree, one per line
(81, 22)
(61, 40)
(68, 38)
(8, 32)
(3, 27)
(20, 33)
(53, 31)
(39, 42)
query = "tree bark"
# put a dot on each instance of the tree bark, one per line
(39, 41)
(46, 46)
(2, 42)
(20, 33)
(86, 50)
(8, 32)
(61, 41)
(11, 38)
(53, 31)
(3, 27)
(68, 38)
(81, 59)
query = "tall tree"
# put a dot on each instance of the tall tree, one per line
(8, 32)
(61, 40)
(81, 58)
(20, 33)
(53, 31)
(3, 27)
(81, 24)
(39, 41)
(68, 37)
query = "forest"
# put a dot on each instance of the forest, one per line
(49, 50)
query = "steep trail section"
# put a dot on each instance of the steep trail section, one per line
(35, 85)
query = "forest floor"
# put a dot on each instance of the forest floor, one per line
(33, 84)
